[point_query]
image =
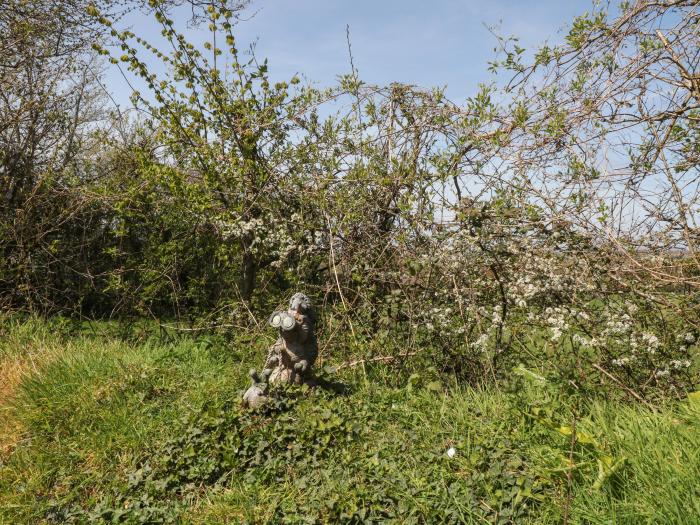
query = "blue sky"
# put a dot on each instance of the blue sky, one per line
(438, 43)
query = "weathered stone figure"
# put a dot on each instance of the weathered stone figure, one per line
(295, 351)
(291, 357)
(256, 395)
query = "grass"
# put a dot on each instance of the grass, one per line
(99, 428)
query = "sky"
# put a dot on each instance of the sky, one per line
(424, 43)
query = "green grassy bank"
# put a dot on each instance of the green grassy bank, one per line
(147, 429)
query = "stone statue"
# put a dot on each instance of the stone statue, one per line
(256, 395)
(291, 357)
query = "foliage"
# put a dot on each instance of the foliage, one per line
(496, 280)
(483, 235)
(148, 432)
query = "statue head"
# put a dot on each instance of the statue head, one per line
(300, 303)
(286, 321)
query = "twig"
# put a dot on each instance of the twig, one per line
(569, 471)
(385, 358)
(335, 273)
(622, 385)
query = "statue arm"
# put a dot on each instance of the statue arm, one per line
(273, 355)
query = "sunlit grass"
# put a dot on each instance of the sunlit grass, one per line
(86, 410)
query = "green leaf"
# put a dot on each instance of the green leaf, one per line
(435, 386)
(694, 397)
(607, 466)
(581, 437)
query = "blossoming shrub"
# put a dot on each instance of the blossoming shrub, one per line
(509, 290)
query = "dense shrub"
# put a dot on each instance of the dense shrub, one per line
(469, 238)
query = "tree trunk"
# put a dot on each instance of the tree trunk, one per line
(249, 270)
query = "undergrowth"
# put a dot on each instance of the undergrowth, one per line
(149, 429)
